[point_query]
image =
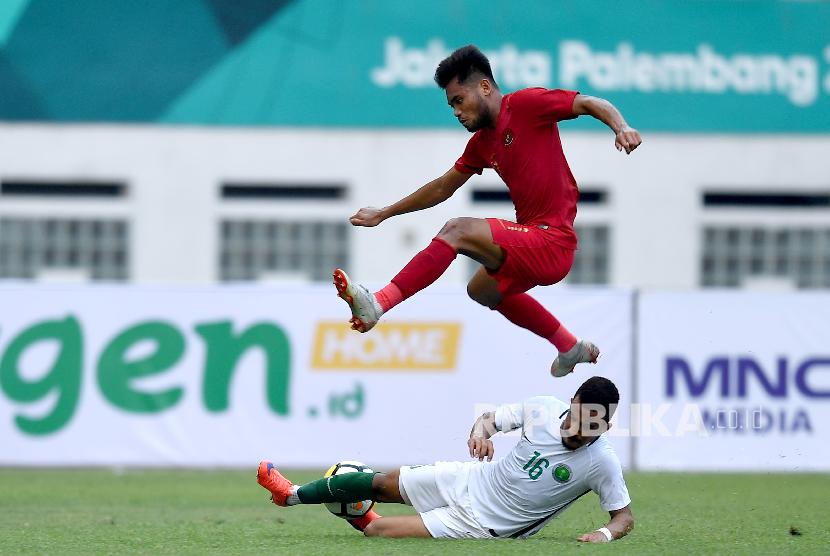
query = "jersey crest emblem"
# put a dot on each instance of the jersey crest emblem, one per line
(562, 473)
(508, 137)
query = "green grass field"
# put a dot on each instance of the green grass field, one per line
(222, 512)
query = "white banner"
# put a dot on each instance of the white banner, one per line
(732, 381)
(225, 376)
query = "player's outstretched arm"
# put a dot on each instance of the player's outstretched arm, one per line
(627, 138)
(621, 524)
(479, 443)
(435, 192)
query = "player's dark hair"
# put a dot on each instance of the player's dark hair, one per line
(600, 391)
(462, 64)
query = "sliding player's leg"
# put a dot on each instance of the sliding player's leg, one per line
(396, 527)
(469, 236)
(437, 492)
(348, 487)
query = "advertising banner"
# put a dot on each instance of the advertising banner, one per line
(718, 66)
(732, 381)
(225, 376)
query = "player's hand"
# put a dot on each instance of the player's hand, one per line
(594, 536)
(367, 216)
(480, 448)
(627, 139)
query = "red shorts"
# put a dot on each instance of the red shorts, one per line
(531, 257)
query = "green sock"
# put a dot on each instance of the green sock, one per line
(348, 487)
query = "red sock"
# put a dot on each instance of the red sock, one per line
(389, 296)
(424, 268)
(361, 522)
(563, 339)
(523, 310)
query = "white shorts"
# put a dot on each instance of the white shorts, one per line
(439, 493)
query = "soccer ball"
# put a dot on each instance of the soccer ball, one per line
(349, 510)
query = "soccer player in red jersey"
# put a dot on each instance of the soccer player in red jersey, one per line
(516, 134)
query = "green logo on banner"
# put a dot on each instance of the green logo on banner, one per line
(119, 368)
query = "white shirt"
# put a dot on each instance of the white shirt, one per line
(517, 495)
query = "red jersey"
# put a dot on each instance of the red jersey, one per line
(525, 150)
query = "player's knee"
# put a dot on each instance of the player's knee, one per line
(473, 293)
(382, 487)
(483, 294)
(455, 230)
(480, 296)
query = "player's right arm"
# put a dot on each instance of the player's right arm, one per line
(621, 524)
(605, 477)
(435, 192)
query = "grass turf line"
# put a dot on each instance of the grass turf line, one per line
(226, 512)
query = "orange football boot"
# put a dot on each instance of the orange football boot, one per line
(269, 478)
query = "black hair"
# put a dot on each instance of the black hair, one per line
(600, 391)
(462, 64)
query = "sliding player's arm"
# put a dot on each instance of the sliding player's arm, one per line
(627, 138)
(505, 419)
(435, 192)
(479, 443)
(621, 524)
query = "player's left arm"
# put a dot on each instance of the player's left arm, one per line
(479, 443)
(505, 418)
(621, 524)
(627, 138)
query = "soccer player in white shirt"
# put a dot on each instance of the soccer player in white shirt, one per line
(562, 455)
